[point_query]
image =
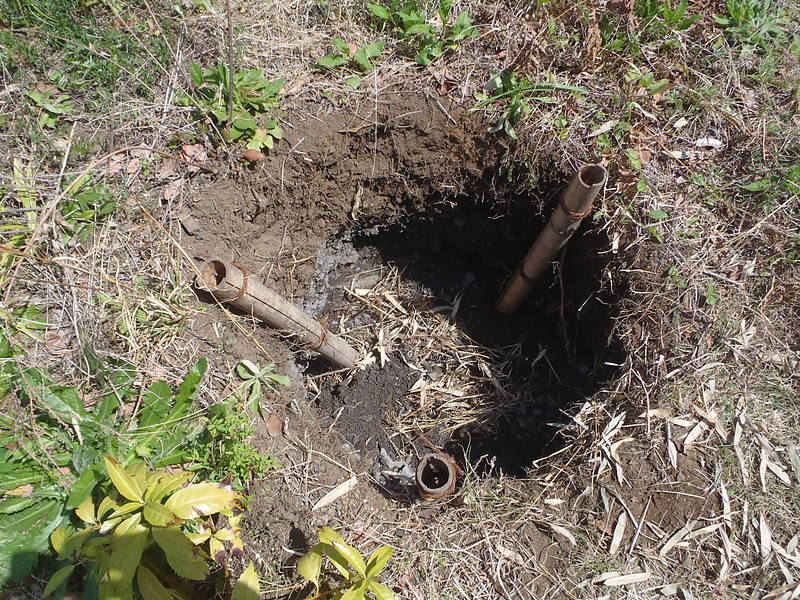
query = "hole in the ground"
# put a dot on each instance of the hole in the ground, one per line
(539, 363)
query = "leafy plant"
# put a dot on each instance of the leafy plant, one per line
(659, 20)
(519, 91)
(256, 378)
(253, 97)
(52, 460)
(50, 106)
(428, 38)
(754, 22)
(84, 209)
(360, 576)
(359, 59)
(144, 527)
(647, 80)
(222, 449)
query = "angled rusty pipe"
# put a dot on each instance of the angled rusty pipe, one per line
(575, 204)
(436, 476)
(229, 284)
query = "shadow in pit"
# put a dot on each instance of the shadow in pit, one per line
(558, 344)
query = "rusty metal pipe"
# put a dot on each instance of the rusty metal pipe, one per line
(436, 476)
(574, 206)
(227, 283)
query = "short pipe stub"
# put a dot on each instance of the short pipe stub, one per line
(436, 476)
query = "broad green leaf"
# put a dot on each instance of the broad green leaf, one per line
(128, 543)
(374, 49)
(198, 538)
(85, 511)
(379, 11)
(378, 559)
(328, 535)
(248, 587)
(181, 554)
(352, 82)
(25, 535)
(149, 586)
(201, 499)
(353, 557)
(196, 73)
(57, 579)
(155, 404)
(658, 215)
(362, 60)
(188, 387)
(247, 369)
(107, 526)
(157, 514)
(12, 505)
(83, 486)
(124, 483)
(63, 402)
(58, 538)
(75, 542)
(310, 565)
(106, 504)
(331, 61)
(126, 509)
(758, 186)
(419, 28)
(341, 46)
(165, 484)
(357, 591)
(381, 591)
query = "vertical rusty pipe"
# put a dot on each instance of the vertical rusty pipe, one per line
(227, 283)
(575, 204)
(436, 476)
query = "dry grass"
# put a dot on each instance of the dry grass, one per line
(683, 474)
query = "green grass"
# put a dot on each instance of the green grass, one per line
(84, 48)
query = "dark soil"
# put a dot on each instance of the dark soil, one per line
(423, 190)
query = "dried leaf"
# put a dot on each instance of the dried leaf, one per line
(779, 472)
(336, 493)
(676, 538)
(627, 579)
(172, 189)
(563, 532)
(274, 424)
(765, 536)
(604, 128)
(619, 533)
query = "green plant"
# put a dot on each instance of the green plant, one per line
(428, 40)
(253, 97)
(360, 576)
(356, 58)
(85, 207)
(647, 80)
(51, 459)
(50, 106)
(221, 450)
(143, 527)
(519, 91)
(658, 20)
(256, 378)
(753, 22)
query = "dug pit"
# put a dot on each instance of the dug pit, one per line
(398, 229)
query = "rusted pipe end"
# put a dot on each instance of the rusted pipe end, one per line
(436, 476)
(592, 175)
(221, 279)
(212, 274)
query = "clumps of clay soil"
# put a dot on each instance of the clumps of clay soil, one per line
(399, 233)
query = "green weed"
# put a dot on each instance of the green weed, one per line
(79, 46)
(253, 97)
(359, 59)
(753, 22)
(360, 575)
(222, 449)
(427, 40)
(143, 530)
(49, 106)
(520, 92)
(51, 459)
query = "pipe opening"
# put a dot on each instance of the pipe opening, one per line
(435, 476)
(592, 175)
(213, 274)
